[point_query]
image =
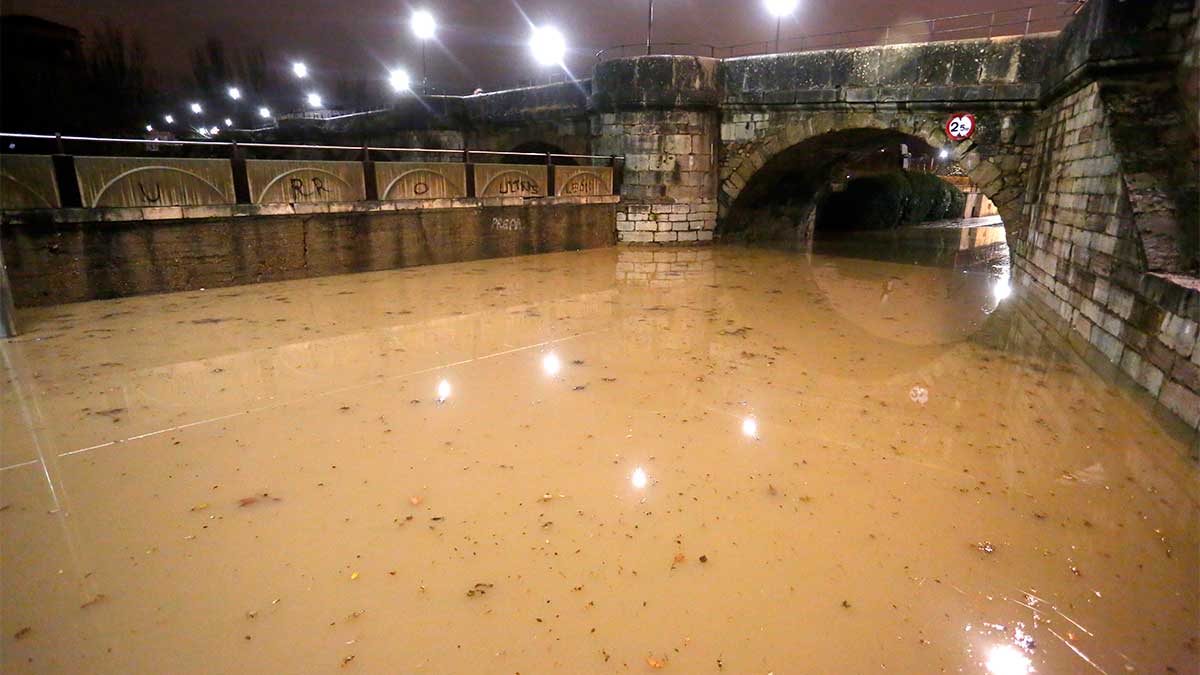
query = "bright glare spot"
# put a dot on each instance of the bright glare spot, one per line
(750, 427)
(299, 69)
(314, 99)
(214, 131)
(264, 112)
(228, 122)
(1007, 660)
(443, 390)
(424, 26)
(196, 108)
(1002, 290)
(638, 478)
(781, 7)
(551, 364)
(944, 154)
(399, 80)
(235, 93)
(149, 128)
(170, 119)
(548, 45)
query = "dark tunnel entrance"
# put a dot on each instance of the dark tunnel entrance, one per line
(846, 182)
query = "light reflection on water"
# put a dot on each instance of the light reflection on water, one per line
(282, 470)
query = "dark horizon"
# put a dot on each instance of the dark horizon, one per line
(478, 46)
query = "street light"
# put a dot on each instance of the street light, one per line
(196, 108)
(548, 46)
(944, 154)
(300, 70)
(149, 128)
(235, 93)
(264, 112)
(169, 119)
(424, 26)
(228, 122)
(780, 9)
(314, 99)
(399, 80)
(214, 131)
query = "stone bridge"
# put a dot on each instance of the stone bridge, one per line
(1086, 141)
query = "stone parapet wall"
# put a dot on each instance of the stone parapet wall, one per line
(53, 260)
(1082, 255)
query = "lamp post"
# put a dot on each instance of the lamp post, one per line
(780, 9)
(424, 26)
(649, 27)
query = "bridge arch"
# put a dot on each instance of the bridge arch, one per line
(757, 147)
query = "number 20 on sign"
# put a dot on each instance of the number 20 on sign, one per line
(960, 126)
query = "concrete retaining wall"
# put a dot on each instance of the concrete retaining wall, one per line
(73, 255)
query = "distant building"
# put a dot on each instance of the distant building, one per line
(41, 64)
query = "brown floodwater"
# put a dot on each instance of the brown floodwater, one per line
(727, 460)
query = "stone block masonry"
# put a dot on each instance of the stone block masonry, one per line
(661, 114)
(73, 255)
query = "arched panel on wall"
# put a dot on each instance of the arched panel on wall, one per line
(510, 180)
(412, 180)
(302, 181)
(27, 182)
(134, 182)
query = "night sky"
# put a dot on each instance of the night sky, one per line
(483, 42)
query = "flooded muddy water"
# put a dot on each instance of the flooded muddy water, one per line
(722, 460)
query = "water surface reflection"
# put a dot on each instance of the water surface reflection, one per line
(706, 460)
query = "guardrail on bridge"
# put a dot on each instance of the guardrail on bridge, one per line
(56, 179)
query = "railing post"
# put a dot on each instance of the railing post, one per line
(1028, 19)
(8, 322)
(617, 175)
(469, 168)
(372, 189)
(549, 175)
(887, 35)
(992, 24)
(64, 175)
(241, 180)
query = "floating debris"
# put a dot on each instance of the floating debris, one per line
(254, 499)
(655, 663)
(479, 589)
(99, 597)
(986, 547)
(22, 633)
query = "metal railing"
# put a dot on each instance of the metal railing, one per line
(60, 142)
(1025, 20)
(236, 152)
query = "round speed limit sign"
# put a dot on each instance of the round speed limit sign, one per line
(960, 126)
